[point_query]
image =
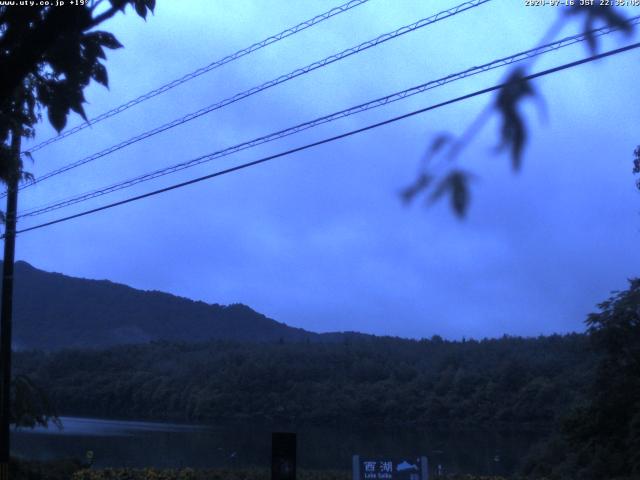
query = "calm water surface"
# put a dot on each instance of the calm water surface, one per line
(143, 444)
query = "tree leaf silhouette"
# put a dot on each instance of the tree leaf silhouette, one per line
(608, 15)
(636, 165)
(456, 184)
(513, 130)
(107, 40)
(99, 74)
(421, 183)
(424, 179)
(439, 142)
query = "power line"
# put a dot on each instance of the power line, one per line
(567, 41)
(281, 79)
(200, 71)
(331, 139)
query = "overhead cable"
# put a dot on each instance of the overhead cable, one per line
(330, 139)
(518, 57)
(207, 68)
(272, 83)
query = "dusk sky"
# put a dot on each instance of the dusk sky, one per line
(320, 239)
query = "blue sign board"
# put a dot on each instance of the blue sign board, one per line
(409, 468)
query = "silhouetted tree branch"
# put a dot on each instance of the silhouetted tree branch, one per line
(636, 165)
(454, 182)
(48, 55)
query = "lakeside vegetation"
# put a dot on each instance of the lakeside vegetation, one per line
(72, 470)
(230, 474)
(63, 469)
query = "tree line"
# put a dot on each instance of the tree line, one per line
(507, 382)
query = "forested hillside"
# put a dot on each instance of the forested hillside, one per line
(53, 311)
(508, 382)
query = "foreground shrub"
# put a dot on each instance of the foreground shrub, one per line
(53, 470)
(226, 474)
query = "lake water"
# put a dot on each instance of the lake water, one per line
(146, 444)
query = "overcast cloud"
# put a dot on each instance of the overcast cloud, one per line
(320, 239)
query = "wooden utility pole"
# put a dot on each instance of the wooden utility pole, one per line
(7, 303)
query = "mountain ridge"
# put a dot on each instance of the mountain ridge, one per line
(53, 311)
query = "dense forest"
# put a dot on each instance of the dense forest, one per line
(501, 383)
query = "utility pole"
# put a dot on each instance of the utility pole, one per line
(7, 302)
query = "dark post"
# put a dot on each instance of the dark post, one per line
(283, 456)
(7, 308)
